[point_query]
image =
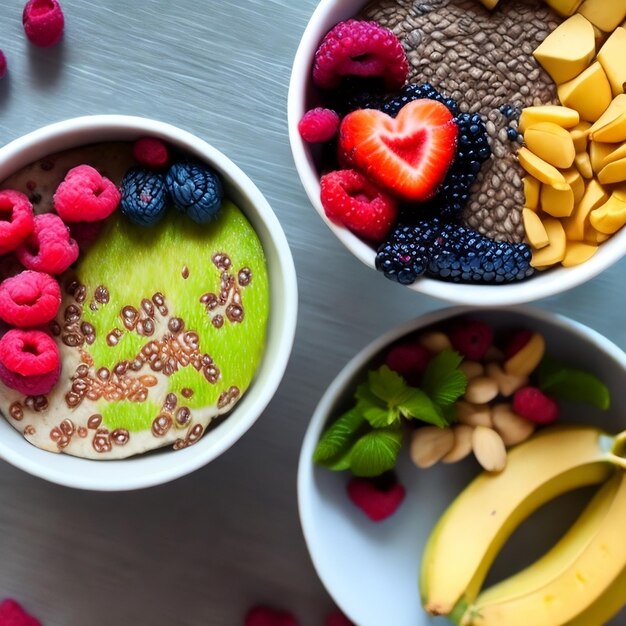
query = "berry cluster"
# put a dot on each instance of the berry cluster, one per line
(263, 615)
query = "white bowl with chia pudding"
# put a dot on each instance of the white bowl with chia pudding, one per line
(169, 335)
(484, 61)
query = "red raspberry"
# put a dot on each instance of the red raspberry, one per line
(267, 616)
(409, 359)
(532, 404)
(318, 125)
(360, 48)
(377, 498)
(519, 339)
(37, 385)
(29, 299)
(472, 338)
(151, 152)
(86, 233)
(337, 618)
(3, 64)
(43, 22)
(49, 248)
(85, 196)
(12, 614)
(28, 352)
(16, 219)
(350, 199)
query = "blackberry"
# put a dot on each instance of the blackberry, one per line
(417, 91)
(355, 93)
(196, 190)
(143, 196)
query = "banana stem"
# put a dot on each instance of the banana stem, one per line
(618, 449)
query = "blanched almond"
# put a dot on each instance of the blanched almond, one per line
(508, 384)
(473, 414)
(472, 369)
(462, 443)
(481, 390)
(511, 427)
(435, 341)
(430, 444)
(489, 449)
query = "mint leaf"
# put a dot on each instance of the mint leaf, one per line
(419, 406)
(443, 381)
(387, 385)
(575, 385)
(376, 411)
(376, 452)
(337, 440)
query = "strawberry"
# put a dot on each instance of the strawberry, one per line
(378, 498)
(410, 154)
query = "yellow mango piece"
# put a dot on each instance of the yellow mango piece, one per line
(583, 164)
(551, 143)
(568, 49)
(605, 14)
(532, 188)
(618, 152)
(614, 172)
(562, 116)
(589, 93)
(610, 216)
(612, 54)
(540, 169)
(611, 126)
(554, 252)
(557, 202)
(577, 252)
(580, 134)
(564, 7)
(575, 181)
(594, 237)
(600, 36)
(619, 191)
(574, 225)
(598, 152)
(535, 230)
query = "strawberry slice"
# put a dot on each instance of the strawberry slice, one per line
(410, 154)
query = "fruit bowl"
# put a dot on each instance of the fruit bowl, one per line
(75, 136)
(372, 569)
(304, 95)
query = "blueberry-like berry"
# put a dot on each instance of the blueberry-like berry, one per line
(512, 133)
(144, 196)
(417, 91)
(196, 190)
(355, 92)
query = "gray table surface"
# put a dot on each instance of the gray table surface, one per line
(202, 549)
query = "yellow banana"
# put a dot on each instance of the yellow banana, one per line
(469, 535)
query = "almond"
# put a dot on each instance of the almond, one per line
(473, 414)
(462, 443)
(430, 444)
(435, 341)
(511, 427)
(481, 390)
(508, 384)
(489, 449)
(472, 369)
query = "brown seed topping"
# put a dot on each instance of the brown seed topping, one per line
(72, 313)
(130, 317)
(72, 399)
(234, 313)
(244, 277)
(183, 415)
(146, 327)
(94, 421)
(221, 261)
(102, 441)
(148, 307)
(16, 411)
(218, 321)
(71, 287)
(113, 337)
(82, 371)
(170, 402)
(36, 403)
(102, 294)
(158, 298)
(29, 430)
(176, 325)
(120, 368)
(120, 436)
(87, 329)
(148, 381)
(103, 373)
(161, 424)
(186, 392)
(72, 339)
(185, 272)
(80, 295)
(55, 328)
(67, 427)
(82, 432)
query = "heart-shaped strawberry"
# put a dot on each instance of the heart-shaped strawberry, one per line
(410, 154)
(378, 498)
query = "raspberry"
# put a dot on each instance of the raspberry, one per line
(143, 196)
(360, 48)
(318, 125)
(337, 618)
(532, 404)
(86, 233)
(16, 219)
(3, 64)
(13, 614)
(409, 359)
(519, 339)
(472, 338)
(267, 616)
(85, 196)
(151, 152)
(36, 385)
(28, 352)
(43, 22)
(49, 248)
(350, 199)
(378, 498)
(196, 190)
(29, 299)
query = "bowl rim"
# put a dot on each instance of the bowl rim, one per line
(306, 467)
(541, 285)
(283, 295)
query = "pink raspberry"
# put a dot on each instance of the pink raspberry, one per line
(29, 299)
(268, 616)
(86, 233)
(532, 404)
(519, 339)
(409, 359)
(337, 618)
(360, 48)
(3, 64)
(472, 338)
(28, 352)
(16, 219)
(378, 498)
(152, 153)
(13, 614)
(36, 385)
(85, 195)
(49, 248)
(43, 22)
(318, 125)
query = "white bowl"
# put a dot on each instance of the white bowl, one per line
(371, 570)
(163, 466)
(302, 96)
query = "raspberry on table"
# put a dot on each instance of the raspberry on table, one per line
(535, 406)
(196, 190)
(16, 219)
(267, 616)
(144, 196)
(13, 614)
(360, 48)
(471, 338)
(318, 125)
(49, 247)
(85, 195)
(352, 200)
(379, 498)
(29, 299)
(151, 153)
(43, 22)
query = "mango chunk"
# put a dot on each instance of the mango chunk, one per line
(580, 134)
(568, 49)
(589, 93)
(575, 181)
(577, 252)
(562, 116)
(598, 152)
(554, 252)
(618, 152)
(611, 125)
(540, 169)
(612, 55)
(605, 14)
(614, 172)
(535, 230)
(551, 143)
(564, 7)
(609, 217)
(595, 195)
(594, 237)
(532, 188)
(600, 36)
(583, 164)
(557, 202)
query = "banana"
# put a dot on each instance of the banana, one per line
(570, 578)
(467, 538)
